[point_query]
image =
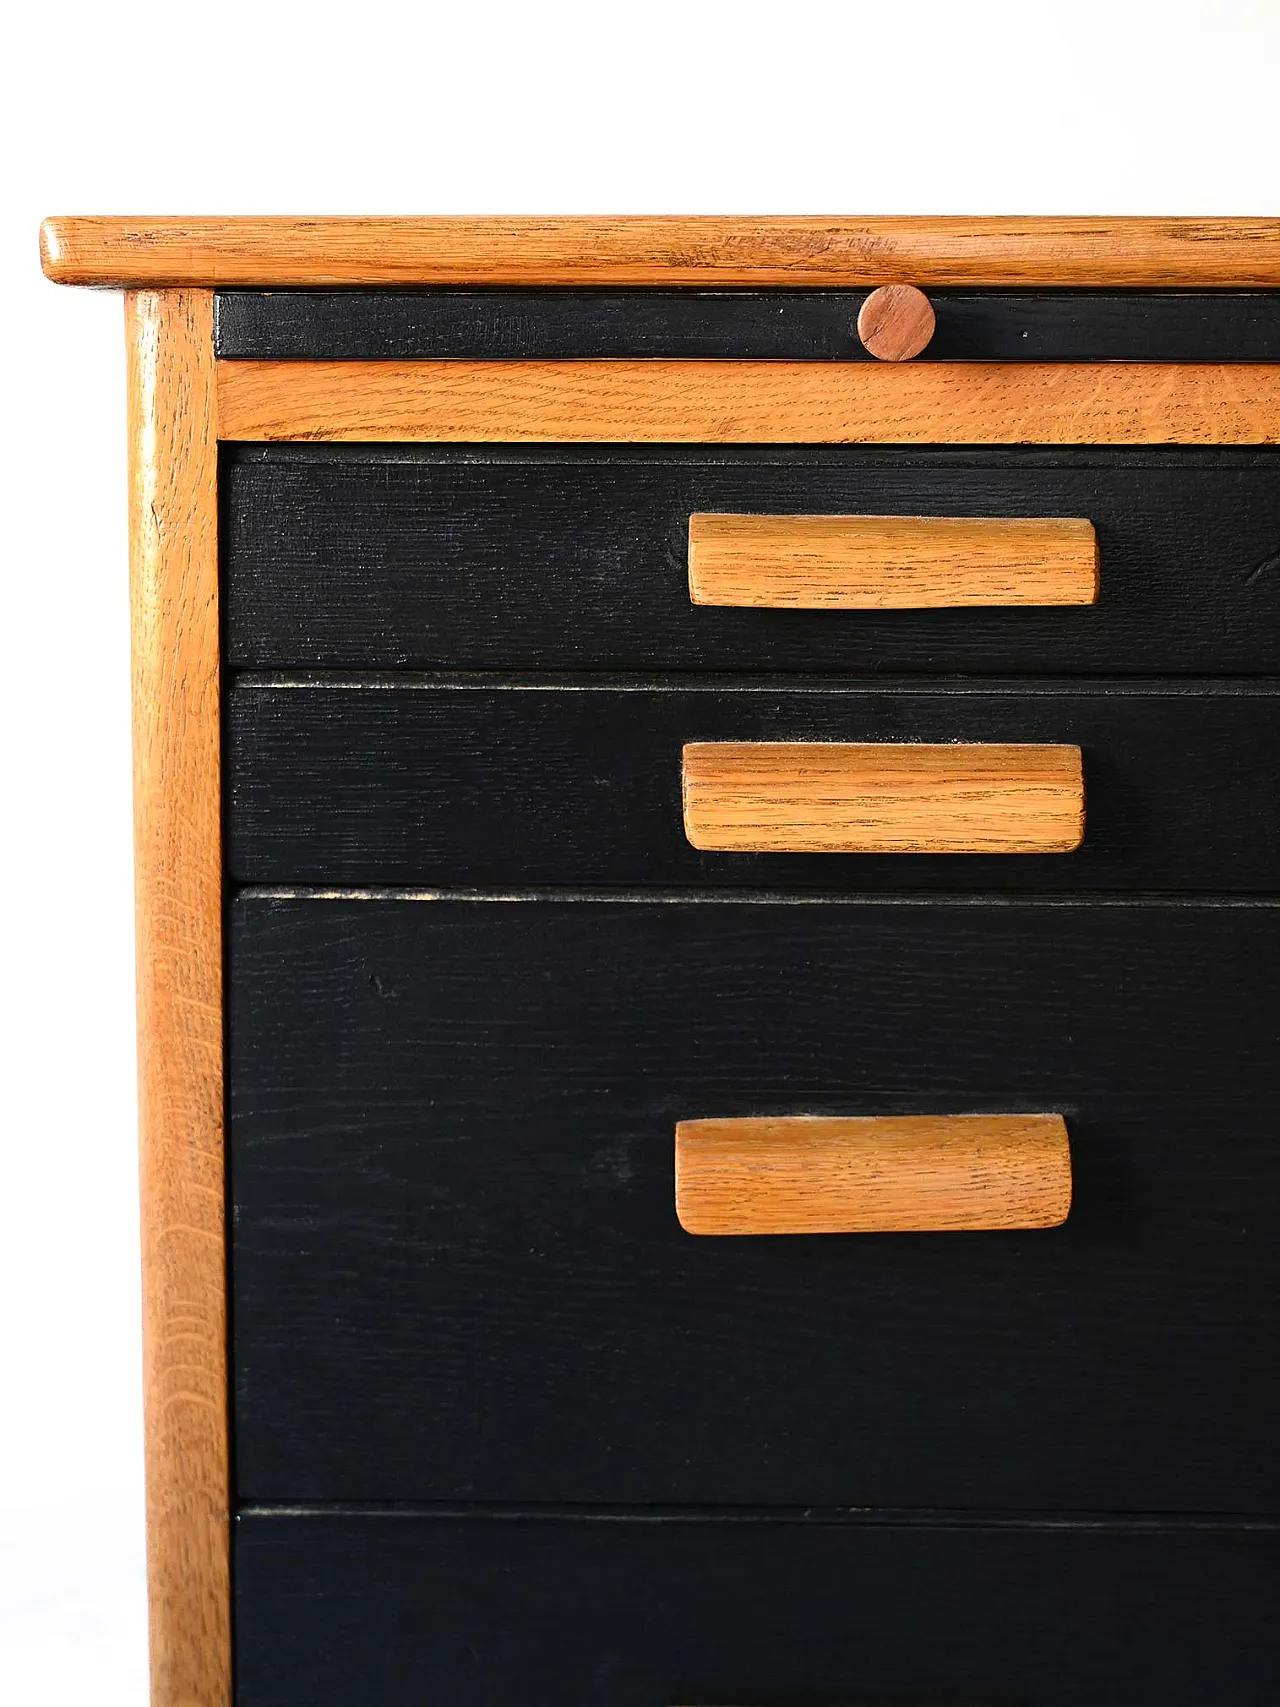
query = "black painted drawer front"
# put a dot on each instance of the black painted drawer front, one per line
(407, 782)
(795, 325)
(458, 1272)
(564, 558)
(341, 1611)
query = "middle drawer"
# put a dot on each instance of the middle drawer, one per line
(468, 781)
(458, 1271)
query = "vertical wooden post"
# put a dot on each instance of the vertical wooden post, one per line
(174, 593)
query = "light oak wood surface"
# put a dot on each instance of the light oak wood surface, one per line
(882, 797)
(711, 251)
(706, 402)
(887, 1174)
(174, 597)
(890, 562)
(896, 322)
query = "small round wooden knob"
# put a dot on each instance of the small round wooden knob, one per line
(896, 322)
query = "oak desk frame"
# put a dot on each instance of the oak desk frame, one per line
(182, 401)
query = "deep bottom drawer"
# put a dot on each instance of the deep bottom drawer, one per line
(398, 1610)
(458, 1272)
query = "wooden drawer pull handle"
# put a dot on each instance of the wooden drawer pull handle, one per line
(890, 562)
(896, 322)
(884, 797)
(898, 1174)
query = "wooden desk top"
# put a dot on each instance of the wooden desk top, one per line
(713, 252)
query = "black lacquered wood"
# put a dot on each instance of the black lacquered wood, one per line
(524, 1612)
(458, 1272)
(474, 783)
(793, 325)
(576, 558)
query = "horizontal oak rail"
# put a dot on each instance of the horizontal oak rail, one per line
(890, 562)
(889, 1174)
(882, 797)
(709, 251)
(750, 402)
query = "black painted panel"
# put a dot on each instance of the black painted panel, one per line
(481, 784)
(458, 1272)
(563, 558)
(795, 325)
(338, 1611)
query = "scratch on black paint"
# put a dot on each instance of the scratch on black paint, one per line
(1263, 568)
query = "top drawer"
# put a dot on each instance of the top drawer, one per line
(742, 325)
(562, 557)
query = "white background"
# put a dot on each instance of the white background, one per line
(927, 106)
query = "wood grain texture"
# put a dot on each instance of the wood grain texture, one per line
(890, 562)
(99, 250)
(565, 781)
(459, 1273)
(896, 322)
(174, 583)
(751, 402)
(576, 558)
(874, 1174)
(537, 1610)
(882, 797)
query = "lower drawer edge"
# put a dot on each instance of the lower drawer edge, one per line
(496, 1610)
